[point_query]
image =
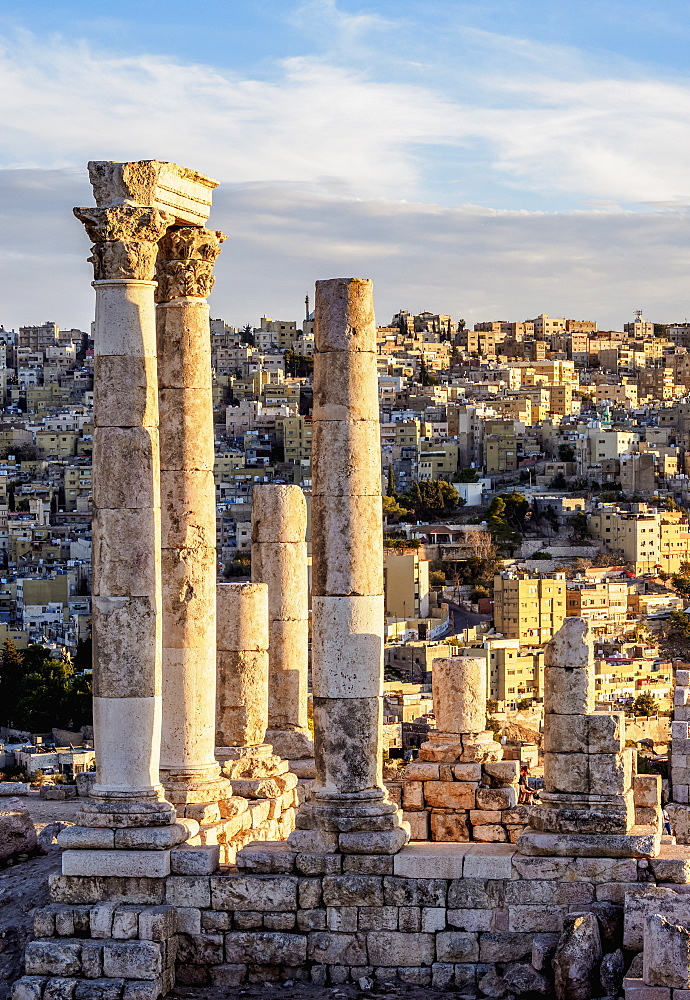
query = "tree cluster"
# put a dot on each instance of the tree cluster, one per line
(427, 500)
(38, 692)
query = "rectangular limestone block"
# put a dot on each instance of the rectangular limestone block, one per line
(419, 823)
(649, 900)
(566, 772)
(195, 860)
(450, 794)
(133, 959)
(679, 730)
(188, 597)
(449, 827)
(565, 733)
(568, 691)
(394, 948)
(606, 732)
(610, 773)
(148, 864)
(647, 790)
(666, 953)
(347, 647)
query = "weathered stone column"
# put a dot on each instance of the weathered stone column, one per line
(279, 559)
(126, 527)
(255, 772)
(242, 658)
(189, 770)
(349, 809)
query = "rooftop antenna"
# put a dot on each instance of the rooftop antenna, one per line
(638, 315)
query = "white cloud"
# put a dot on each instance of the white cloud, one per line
(551, 127)
(469, 261)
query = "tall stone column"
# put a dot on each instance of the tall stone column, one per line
(126, 539)
(189, 770)
(279, 559)
(349, 810)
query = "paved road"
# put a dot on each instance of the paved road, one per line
(461, 619)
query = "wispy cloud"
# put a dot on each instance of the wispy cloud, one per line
(549, 126)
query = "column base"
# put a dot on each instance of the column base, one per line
(351, 824)
(640, 842)
(197, 795)
(586, 814)
(119, 810)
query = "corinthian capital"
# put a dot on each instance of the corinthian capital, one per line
(125, 239)
(186, 256)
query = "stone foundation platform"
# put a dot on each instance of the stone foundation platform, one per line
(473, 917)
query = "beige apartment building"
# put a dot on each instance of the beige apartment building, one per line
(406, 584)
(648, 539)
(529, 608)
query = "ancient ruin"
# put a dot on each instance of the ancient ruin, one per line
(185, 864)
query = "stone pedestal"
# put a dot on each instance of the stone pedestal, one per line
(279, 559)
(189, 770)
(588, 799)
(349, 810)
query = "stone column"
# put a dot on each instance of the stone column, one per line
(279, 559)
(189, 770)
(242, 685)
(349, 810)
(126, 532)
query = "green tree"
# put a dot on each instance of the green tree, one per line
(466, 476)
(566, 453)
(431, 499)
(391, 507)
(247, 335)
(425, 376)
(675, 636)
(11, 677)
(497, 519)
(390, 487)
(558, 482)
(43, 699)
(579, 526)
(645, 704)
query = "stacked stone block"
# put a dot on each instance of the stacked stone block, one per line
(588, 804)
(264, 796)
(460, 789)
(463, 801)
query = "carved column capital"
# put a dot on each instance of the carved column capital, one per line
(125, 239)
(186, 255)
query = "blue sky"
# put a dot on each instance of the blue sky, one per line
(487, 159)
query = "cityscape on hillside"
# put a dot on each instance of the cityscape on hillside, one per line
(532, 471)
